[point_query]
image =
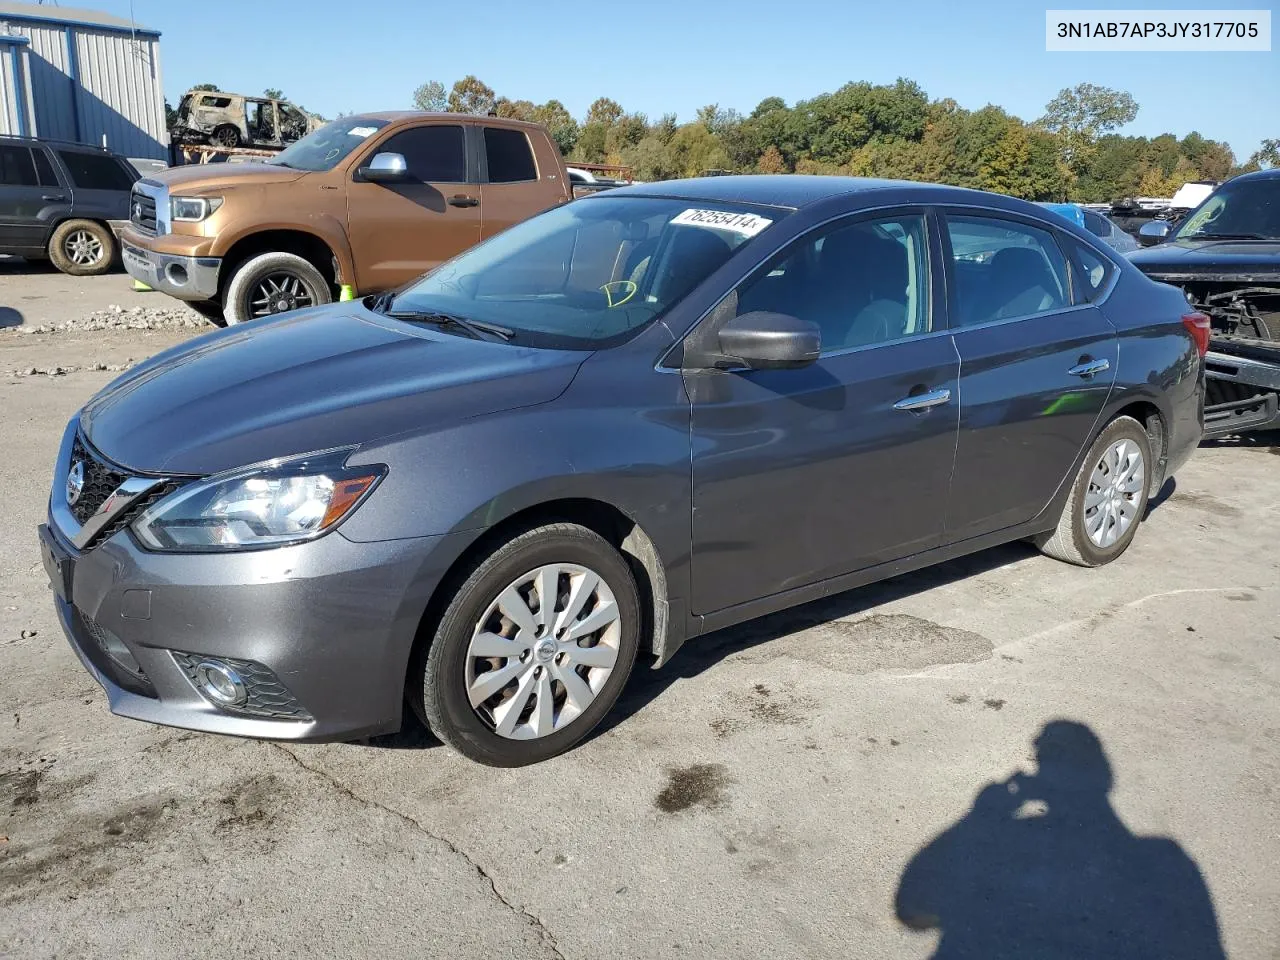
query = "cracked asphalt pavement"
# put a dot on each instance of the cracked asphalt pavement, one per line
(777, 790)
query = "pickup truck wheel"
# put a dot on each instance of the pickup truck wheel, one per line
(1108, 498)
(273, 283)
(82, 248)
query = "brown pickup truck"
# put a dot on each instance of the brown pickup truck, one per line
(368, 201)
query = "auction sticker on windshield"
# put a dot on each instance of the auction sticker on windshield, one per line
(361, 132)
(743, 224)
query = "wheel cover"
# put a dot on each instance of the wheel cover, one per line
(82, 248)
(544, 648)
(279, 293)
(1114, 493)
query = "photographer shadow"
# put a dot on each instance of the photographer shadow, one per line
(1042, 867)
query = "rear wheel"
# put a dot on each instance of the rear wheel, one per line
(1108, 498)
(82, 248)
(225, 136)
(533, 649)
(273, 283)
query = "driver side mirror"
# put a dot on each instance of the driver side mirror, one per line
(770, 341)
(1153, 232)
(385, 168)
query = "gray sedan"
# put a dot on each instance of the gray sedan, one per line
(642, 416)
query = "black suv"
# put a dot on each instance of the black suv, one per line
(62, 201)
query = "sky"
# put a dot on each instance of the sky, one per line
(661, 56)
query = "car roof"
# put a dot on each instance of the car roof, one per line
(796, 191)
(397, 116)
(1272, 174)
(52, 142)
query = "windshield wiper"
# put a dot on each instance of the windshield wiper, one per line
(1229, 236)
(479, 329)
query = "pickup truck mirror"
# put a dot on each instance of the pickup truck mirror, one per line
(1153, 232)
(770, 341)
(386, 168)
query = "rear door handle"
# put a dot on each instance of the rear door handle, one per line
(462, 201)
(53, 196)
(923, 401)
(1087, 368)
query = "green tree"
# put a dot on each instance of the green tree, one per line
(771, 161)
(648, 160)
(604, 112)
(1267, 156)
(591, 144)
(515, 109)
(694, 149)
(665, 128)
(273, 93)
(206, 86)
(470, 95)
(559, 123)
(431, 97)
(1078, 115)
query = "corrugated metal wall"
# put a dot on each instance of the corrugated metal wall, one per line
(87, 83)
(16, 112)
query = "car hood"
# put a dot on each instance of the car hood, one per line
(1243, 260)
(307, 381)
(203, 176)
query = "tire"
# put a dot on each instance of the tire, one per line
(211, 310)
(82, 248)
(1071, 540)
(446, 671)
(225, 136)
(301, 284)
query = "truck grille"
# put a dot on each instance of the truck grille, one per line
(142, 211)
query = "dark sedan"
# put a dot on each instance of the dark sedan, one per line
(639, 417)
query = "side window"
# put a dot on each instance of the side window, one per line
(1003, 269)
(432, 154)
(219, 103)
(1096, 224)
(1090, 273)
(95, 171)
(44, 169)
(16, 168)
(861, 283)
(510, 156)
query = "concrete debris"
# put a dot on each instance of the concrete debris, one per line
(116, 317)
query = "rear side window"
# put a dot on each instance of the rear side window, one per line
(16, 168)
(219, 102)
(1003, 269)
(44, 169)
(95, 171)
(1097, 225)
(1090, 273)
(432, 154)
(510, 156)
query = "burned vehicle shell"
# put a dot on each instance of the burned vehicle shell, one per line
(1225, 256)
(236, 120)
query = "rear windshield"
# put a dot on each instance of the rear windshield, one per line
(591, 273)
(327, 147)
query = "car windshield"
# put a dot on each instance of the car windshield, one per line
(589, 274)
(326, 147)
(1246, 210)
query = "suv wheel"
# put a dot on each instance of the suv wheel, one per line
(273, 283)
(225, 136)
(533, 649)
(82, 248)
(1107, 500)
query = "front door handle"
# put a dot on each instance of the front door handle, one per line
(1087, 368)
(923, 401)
(463, 201)
(53, 196)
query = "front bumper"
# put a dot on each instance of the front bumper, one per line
(187, 278)
(1243, 393)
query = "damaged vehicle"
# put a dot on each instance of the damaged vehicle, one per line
(235, 120)
(1225, 257)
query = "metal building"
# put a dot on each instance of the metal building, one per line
(81, 75)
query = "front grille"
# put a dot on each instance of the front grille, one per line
(267, 696)
(100, 481)
(109, 654)
(142, 211)
(126, 516)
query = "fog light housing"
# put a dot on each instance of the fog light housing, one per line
(220, 683)
(177, 274)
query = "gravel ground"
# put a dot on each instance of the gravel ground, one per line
(770, 793)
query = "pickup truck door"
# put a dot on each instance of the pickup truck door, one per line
(401, 230)
(32, 199)
(514, 185)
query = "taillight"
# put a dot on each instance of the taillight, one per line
(1199, 326)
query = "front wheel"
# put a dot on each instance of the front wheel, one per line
(1108, 498)
(273, 283)
(533, 649)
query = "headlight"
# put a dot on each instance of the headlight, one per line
(192, 209)
(268, 505)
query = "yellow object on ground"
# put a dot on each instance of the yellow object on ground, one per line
(346, 292)
(140, 286)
